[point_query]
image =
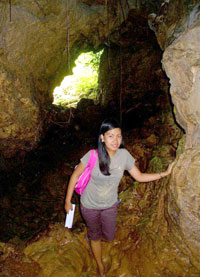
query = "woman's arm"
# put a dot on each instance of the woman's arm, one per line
(72, 182)
(148, 177)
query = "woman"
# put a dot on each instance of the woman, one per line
(99, 200)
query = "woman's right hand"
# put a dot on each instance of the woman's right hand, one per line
(68, 207)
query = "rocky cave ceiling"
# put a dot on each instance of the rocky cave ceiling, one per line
(40, 41)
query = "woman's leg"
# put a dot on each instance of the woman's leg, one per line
(94, 234)
(97, 251)
(108, 221)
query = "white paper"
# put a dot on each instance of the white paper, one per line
(69, 217)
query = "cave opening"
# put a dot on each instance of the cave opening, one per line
(82, 84)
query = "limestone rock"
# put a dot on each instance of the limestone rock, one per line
(59, 253)
(20, 122)
(172, 19)
(183, 203)
(38, 44)
(181, 63)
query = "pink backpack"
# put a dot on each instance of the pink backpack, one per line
(85, 176)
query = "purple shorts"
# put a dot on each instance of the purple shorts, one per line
(100, 223)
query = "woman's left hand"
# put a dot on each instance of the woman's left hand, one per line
(169, 169)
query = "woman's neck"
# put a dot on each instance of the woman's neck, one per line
(111, 153)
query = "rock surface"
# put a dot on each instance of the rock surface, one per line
(180, 39)
(143, 245)
(39, 42)
(184, 197)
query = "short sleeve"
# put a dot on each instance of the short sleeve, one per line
(130, 161)
(85, 159)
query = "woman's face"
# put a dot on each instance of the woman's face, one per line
(112, 139)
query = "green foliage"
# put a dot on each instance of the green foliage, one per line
(156, 164)
(83, 83)
(94, 60)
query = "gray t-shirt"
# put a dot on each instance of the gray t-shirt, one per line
(102, 191)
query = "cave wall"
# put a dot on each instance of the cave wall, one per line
(184, 73)
(131, 77)
(182, 66)
(39, 42)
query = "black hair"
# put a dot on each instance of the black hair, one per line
(104, 159)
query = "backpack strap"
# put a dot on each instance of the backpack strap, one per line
(92, 159)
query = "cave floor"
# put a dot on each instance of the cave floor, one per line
(32, 217)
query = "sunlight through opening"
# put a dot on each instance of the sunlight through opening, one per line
(82, 84)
